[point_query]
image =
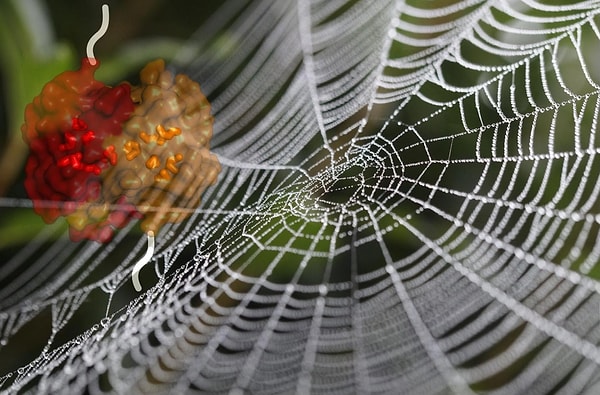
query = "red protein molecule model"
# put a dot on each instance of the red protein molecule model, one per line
(65, 128)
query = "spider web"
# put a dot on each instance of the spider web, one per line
(408, 203)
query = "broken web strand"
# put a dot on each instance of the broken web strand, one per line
(98, 35)
(142, 262)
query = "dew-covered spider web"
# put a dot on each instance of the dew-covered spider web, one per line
(409, 203)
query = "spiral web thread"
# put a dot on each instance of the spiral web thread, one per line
(409, 202)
